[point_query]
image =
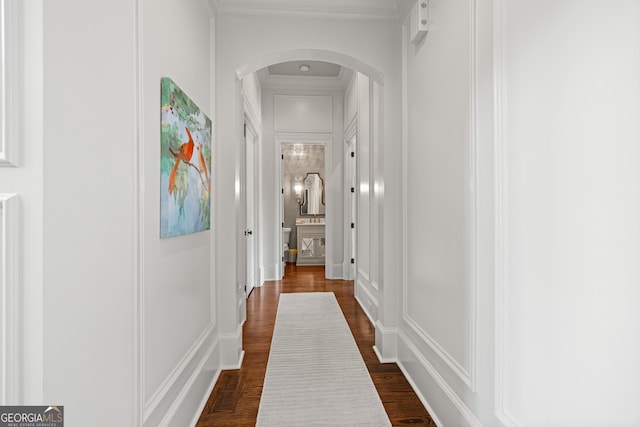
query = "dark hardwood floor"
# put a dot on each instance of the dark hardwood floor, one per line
(235, 398)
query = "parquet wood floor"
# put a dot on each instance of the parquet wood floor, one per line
(235, 398)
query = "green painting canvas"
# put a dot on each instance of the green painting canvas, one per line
(185, 177)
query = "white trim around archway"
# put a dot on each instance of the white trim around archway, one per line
(311, 55)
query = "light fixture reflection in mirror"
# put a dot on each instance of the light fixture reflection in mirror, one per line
(297, 188)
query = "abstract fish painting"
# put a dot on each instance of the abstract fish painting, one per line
(185, 164)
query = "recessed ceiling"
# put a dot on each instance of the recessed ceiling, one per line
(295, 68)
(375, 9)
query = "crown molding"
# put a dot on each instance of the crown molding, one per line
(353, 9)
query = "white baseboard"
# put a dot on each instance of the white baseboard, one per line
(205, 399)
(231, 353)
(367, 301)
(191, 401)
(444, 405)
(182, 392)
(270, 272)
(386, 347)
(334, 271)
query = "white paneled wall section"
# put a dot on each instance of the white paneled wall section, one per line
(11, 65)
(359, 114)
(11, 108)
(521, 199)
(10, 302)
(439, 305)
(177, 294)
(568, 235)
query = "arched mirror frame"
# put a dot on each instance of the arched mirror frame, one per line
(304, 193)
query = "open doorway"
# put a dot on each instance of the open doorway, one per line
(333, 111)
(304, 204)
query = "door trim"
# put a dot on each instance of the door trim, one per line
(300, 138)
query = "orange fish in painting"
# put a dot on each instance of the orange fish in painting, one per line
(185, 152)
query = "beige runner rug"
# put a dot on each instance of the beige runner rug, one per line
(315, 374)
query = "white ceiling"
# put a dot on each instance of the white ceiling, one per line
(316, 69)
(321, 75)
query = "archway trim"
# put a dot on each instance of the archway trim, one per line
(311, 55)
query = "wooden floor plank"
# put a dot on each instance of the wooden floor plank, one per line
(235, 398)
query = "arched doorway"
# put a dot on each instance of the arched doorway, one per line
(369, 265)
(337, 224)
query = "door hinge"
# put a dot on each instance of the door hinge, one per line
(282, 190)
(282, 155)
(282, 259)
(245, 289)
(283, 225)
(353, 190)
(245, 130)
(353, 260)
(353, 154)
(353, 225)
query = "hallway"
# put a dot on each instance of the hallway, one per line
(236, 395)
(494, 206)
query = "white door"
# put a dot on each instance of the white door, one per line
(351, 190)
(250, 204)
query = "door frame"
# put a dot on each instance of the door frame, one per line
(305, 139)
(254, 233)
(350, 206)
(252, 122)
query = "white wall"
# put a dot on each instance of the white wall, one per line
(179, 324)
(571, 156)
(24, 275)
(437, 328)
(89, 258)
(541, 174)
(240, 50)
(129, 319)
(253, 92)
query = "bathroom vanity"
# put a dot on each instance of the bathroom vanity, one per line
(311, 243)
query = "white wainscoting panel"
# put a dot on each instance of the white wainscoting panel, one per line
(186, 383)
(465, 370)
(367, 297)
(10, 324)
(444, 373)
(10, 80)
(567, 206)
(426, 380)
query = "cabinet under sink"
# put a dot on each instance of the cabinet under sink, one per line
(311, 244)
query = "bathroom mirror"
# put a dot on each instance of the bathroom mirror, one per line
(312, 195)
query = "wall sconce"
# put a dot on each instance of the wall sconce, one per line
(297, 187)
